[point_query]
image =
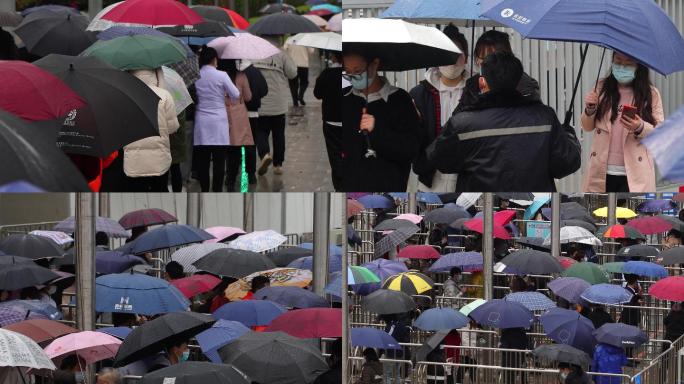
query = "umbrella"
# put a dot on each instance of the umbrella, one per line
(330, 7)
(58, 237)
(258, 241)
(353, 208)
(565, 261)
(317, 18)
(102, 224)
(9, 259)
(569, 288)
(220, 334)
(415, 219)
(146, 217)
(383, 269)
(291, 297)
(277, 8)
(137, 52)
(672, 256)
(335, 250)
(36, 95)
(194, 372)
(637, 250)
(204, 29)
(335, 23)
(309, 323)
(412, 283)
(536, 243)
(440, 319)
(465, 13)
(619, 231)
(477, 225)
(530, 262)
(589, 272)
(118, 332)
(393, 224)
(446, 215)
(41, 330)
(376, 201)
(306, 262)
(164, 331)
(234, 19)
(373, 338)
(418, 252)
(385, 302)
(97, 23)
(282, 24)
(222, 234)
(167, 236)
(620, 213)
(279, 277)
(534, 301)
(620, 335)
(644, 268)
(20, 186)
(250, 312)
(578, 223)
(275, 357)
(186, 256)
(676, 223)
(670, 288)
(115, 262)
(466, 309)
(562, 353)
(575, 234)
(606, 294)
(22, 275)
(428, 198)
(10, 19)
(571, 211)
(42, 309)
(55, 32)
(651, 206)
(235, 263)
(499, 313)
(614, 267)
(664, 150)
(399, 45)
(31, 246)
(392, 240)
(649, 225)
(12, 315)
(137, 293)
(89, 345)
(211, 12)
(195, 284)
(287, 255)
(49, 8)
(569, 327)
(360, 275)
(153, 13)
(533, 208)
(21, 351)
(467, 261)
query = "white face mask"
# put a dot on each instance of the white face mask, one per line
(452, 71)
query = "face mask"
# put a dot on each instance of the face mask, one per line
(362, 81)
(79, 377)
(452, 71)
(624, 74)
(185, 356)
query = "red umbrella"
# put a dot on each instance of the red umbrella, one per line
(476, 225)
(153, 13)
(34, 94)
(649, 225)
(146, 217)
(41, 330)
(195, 284)
(239, 22)
(309, 323)
(320, 12)
(504, 217)
(566, 262)
(670, 288)
(418, 252)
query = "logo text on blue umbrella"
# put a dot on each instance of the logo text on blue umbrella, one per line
(123, 305)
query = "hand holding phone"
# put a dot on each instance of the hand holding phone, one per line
(629, 111)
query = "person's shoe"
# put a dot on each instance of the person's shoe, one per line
(265, 162)
(296, 104)
(302, 101)
(252, 178)
(278, 170)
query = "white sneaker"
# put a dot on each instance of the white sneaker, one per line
(265, 162)
(278, 170)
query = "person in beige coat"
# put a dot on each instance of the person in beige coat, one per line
(147, 161)
(617, 161)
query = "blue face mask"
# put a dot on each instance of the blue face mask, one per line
(185, 356)
(361, 81)
(624, 74)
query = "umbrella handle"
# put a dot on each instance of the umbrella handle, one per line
(23, 380)
(598, 76)
(370, 152)
(571, 109)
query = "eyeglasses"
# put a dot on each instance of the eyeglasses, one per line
(350, 77)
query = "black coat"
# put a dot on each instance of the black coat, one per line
(426, 97)
(331, 376)
(513, 338)
(394, 139)
(598, 317)
(505, 143)
(674, 325)
(528, 88)
(327, 89)
(258, 87)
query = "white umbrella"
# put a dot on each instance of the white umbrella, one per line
(319, 21)
(176, 86)
(188, 255)
(100, 24)
(58, 237)
(243, 46)
(17, 350)
(468, 199)
(330, 41)
(335, 23)
(573, 234)
(258, 241)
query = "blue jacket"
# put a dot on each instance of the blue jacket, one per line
(608, 359)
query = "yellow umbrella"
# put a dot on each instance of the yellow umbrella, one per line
(411, 283)
(621, 213)
(288, 277)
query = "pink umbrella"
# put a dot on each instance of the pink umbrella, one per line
(90, 346)
(222, 233)
(243, 46)
(415, 219)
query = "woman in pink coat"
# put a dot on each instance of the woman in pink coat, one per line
(618, 162)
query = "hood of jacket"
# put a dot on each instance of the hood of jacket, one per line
(153, 77)
(432, 76)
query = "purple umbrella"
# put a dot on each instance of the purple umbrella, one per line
(11, 315)
(383, 269)
(651, 206)
(569, 327)
(107, 262)
(376, 201)
(502, 314)
(102, 224)
(467, 261)
(19, 186)
(569, 288)
(620, 335)
(49, 8)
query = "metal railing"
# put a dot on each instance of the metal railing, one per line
(7, 230)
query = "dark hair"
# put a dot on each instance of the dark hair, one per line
(518, 284)
(207, 55)
(631, 278)
(123, 319)
(228, 66)
(371, 354)
(69, 362)
(174, 269)
(452, 32)
(259, 282)
(101, 238)
(502, 70)
(681, 214)
(500, 41)
(674, 233)
(609, 96)
(455, 271)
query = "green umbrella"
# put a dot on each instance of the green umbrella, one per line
(615, 267)
(361, 275)
(137, 52)
(590, 272)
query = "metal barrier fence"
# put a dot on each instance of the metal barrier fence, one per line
(7, 230)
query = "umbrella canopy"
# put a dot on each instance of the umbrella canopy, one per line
(619, 231)
(620, 213)
(392, 240)
(153, 12)
(22, 275)
(222, 234)
(418, 252)
(277, 7)
(291, 297)
(333, 249)
(467, 261)
(97, 23)
(186, 256)
(465, 13)
(279, 277)
(566, 262)
(665, 153)
(638, 250)
(393, 224)
(282, 24)
(223, 15)
(137, 293)
(532, 209)
(49, 8)
(670, 288)
(275, 357)
(428, 198)
(10, 19)
(243, 46)
(383, 269)
(571, 211)
(440, 319)
(614, 267)
(58, 237)
(628, 26)
(309, 323)
(89, 345)
(316, 18)
(157, 334)
(360, 275)
(21, 351)
(499, 313)
(399, 45)
(644, 268)
(250, 312)
(31, 246)
(534, 301)
(676, 223)
(578, 223)
(60, 32)
(167, 236)
(530, 262)
(373, 338)
(335, 23)
(12, 315)
(137, 51)
(533, 243)
(385, 302)
(649, 225)
(220, 334)
(196, 372)
(195, 284)
(41, 330)
(562, 353)
(652, 206)
(411, 283)
(306, 262)
(569, 327)
(575, 234)
(415, 219)
(118, 332)
(376, 202)
(27, 308)
(330, 7)
(620, 335)
(569, 288)
(446, 215)
(287, 255)
(146, 217)
(235, 263)
(466, 309)
(477, 225)
(606, 294)
(258, 241)
(204, 29)
(589, 272)
(672, 256)
(102, 224)
(9, 259)
(115, 262)
(353, 208)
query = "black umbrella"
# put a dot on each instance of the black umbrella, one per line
(31, 246)
(578, 223)
(282, 24)
(60, 32)
(277, 8)
(638, 250)
(392, 224)
(449, 197)
(161, 333)
(676, 223)
(531, 262)
(430, 345)
(562, 353)
(9, 259)
(22, 275)
(536, 243)
(9, 19)
(516, 196)
(120, 108)
(211, 12)
(235, 263)
(458, 223)
(386, 301)
(275, 357)
(284, 256)
(196, 372)
(446, 215)
(672, 256)
(395, 238)
(31, 155)
(204, 29)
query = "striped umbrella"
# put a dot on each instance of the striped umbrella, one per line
(395, 238)
(620, 213)
(258, 241)
(361, 275)
(418, 252)
(188, 255)
(411, 283)
(619, 231)
(102, 224)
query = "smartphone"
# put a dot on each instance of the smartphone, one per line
(629, 111)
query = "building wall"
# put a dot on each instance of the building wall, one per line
(18, 208)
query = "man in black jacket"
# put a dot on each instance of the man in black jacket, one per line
(327, 88)
(504, 142)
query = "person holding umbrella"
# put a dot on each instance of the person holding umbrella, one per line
(621, 110)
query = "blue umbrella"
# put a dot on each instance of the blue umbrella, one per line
(334, 287)
(499, 313)
(333, 249)
(441, 319)
(373, 338)
(292, 297)
(118, 332)
(534, 301)
(652, 206)
(330, 7)
(20, 186)
(460, 12)
(33, 306)
(115, 262)
(137, 293)
(167, 236)
(569, 327)
(606, 294)
(467, 261)
(376, 201)
(250, 312)
(306, 262)
(531, 211)
(667, 152)
(403, 196)
(220, 334)
(620, 335)
(569, 288)
(644, 268)
(428, 198)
